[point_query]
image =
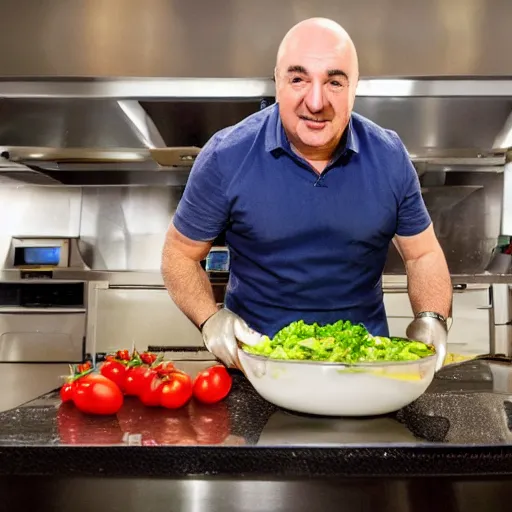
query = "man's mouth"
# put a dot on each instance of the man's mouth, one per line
(314, 123)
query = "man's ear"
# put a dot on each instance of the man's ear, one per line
(275, 78)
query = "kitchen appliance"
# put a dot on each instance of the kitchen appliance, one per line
(41, 319)
(38, 254)
(501, 318)
(217, 260)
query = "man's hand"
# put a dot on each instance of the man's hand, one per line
(431, 331)
(221, 332)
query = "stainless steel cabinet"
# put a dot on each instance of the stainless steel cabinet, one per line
(141, 316)
(45, 335)
(470, 332)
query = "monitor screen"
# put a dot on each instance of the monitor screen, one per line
(217, 260)
(37, 256)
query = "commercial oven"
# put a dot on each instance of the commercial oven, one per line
(42, 321)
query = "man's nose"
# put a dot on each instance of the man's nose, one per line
(315, 98)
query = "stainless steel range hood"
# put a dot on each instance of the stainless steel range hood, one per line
(92, 132)
(62, 137)
(70, 130)
(67, 123)
(100, 122)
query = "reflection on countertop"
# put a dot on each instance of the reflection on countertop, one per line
(138, 425)
(284, 428)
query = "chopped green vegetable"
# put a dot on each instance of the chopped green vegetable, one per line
(341, 342)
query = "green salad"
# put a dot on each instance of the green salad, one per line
(341, 342)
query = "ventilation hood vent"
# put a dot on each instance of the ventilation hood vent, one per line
(86, 141)
(13, 173)
(450, 128)
(69, 123)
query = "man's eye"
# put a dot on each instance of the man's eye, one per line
(336, 83)
(296, 80)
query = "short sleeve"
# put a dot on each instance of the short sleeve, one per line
(413, 216)
(202, 212)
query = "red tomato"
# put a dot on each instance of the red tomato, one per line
(124, 355)
(66, 392)
(133, 379)
(148, 357)
(90, 378)
(212, 385)
(81, 368)
(150, 392)
(114, 371)
(165, 367)
(95, 394)
(176, 391)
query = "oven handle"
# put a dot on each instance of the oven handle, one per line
(402, 288)
(17, 310)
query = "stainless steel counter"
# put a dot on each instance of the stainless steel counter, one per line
(458, 279)
(130, 306)
(152, 279)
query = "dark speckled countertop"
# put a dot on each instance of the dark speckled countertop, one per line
(461, 425)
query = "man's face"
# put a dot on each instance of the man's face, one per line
(316, 83)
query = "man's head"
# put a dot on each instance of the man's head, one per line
(316, 77)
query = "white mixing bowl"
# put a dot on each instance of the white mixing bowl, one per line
(335, 389)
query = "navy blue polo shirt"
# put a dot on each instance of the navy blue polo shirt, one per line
(303, 245)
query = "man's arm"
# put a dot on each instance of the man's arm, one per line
(202, 214)
(200, 217)
(185, 279)
(429, 282)
(190, 288)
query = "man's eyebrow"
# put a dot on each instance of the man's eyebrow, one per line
(337, 72)
(330, 72)
(297, 69)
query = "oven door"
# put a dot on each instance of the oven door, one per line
(42, 335)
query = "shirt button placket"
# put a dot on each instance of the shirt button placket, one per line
(320, 182)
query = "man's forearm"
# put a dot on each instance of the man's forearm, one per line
(429, 284)
(189, 287)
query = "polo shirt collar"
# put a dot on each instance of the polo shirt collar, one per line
(276, 140)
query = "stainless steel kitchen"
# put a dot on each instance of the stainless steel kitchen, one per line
(105, 108)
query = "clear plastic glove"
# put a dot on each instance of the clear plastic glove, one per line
(221, 332)
(431, 331)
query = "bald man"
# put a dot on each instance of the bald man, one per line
(310, 195)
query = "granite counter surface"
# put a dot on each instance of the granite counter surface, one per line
(460, 426)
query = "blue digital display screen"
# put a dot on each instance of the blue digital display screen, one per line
(41, 255)
(217, 261)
